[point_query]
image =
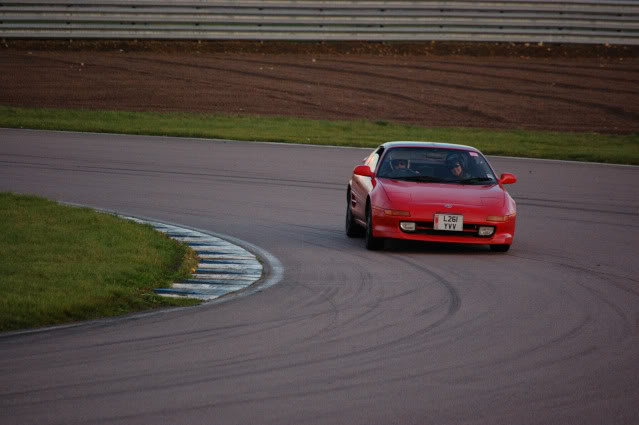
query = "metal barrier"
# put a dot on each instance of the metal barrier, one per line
(568, 21)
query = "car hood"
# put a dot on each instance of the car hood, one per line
(443, 193)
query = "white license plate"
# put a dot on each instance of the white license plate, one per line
(451, 222)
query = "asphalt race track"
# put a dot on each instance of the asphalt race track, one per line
(416, 334)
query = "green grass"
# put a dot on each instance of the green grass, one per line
(595, 147)
(60, 264)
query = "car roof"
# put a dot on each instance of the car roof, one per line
(424, 144)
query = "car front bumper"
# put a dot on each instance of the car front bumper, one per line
(386, 226)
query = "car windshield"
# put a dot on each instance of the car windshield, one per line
(436, 165)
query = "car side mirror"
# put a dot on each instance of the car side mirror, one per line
(363, 170)
(507, 178)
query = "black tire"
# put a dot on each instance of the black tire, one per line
(353, 230)
(372, 243)
(499, 248)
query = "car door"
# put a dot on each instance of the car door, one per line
(361, 186)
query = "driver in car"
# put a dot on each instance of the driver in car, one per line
(399, 164)
(400, 168)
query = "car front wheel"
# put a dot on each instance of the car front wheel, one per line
(353, 229)
(372, 243)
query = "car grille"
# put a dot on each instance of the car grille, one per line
(426, 228)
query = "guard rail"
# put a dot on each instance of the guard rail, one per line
(568, 21)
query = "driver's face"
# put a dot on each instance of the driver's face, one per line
(401, 164)
(456, 169)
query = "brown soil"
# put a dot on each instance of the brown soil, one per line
(491, 85)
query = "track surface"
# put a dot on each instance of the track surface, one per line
(568, 94)
(545, 334)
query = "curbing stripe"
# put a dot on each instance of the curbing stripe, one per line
(220, 249)
(219, 276)
(224, 267)
(212, 282)
(201, 288)
(228, 266)
(222, 256)
(213, 259)
(213, 270)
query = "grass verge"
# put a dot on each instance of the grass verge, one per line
(593, 147)
(60, 264)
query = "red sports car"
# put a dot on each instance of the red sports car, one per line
(430, 192)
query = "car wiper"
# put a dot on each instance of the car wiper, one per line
(473, 180)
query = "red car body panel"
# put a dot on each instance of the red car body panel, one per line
(479, 204)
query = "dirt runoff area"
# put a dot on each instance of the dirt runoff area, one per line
(541, 87)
